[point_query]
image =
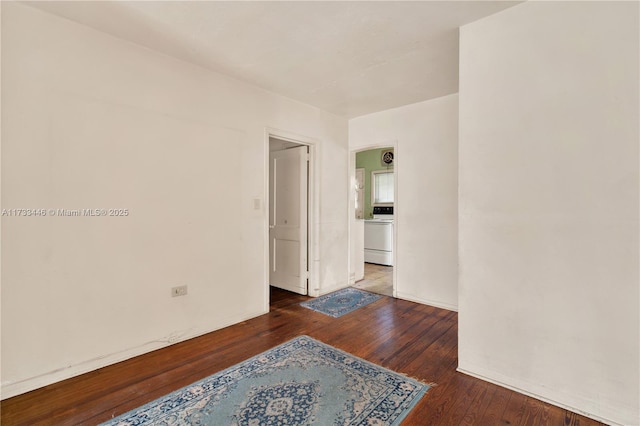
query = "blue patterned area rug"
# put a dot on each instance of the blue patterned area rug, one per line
(341, 302)
(301, 382)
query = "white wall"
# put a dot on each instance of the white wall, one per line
(356, 227)
(426, 138)
(549, 204)
(90, 121)
(356, 236)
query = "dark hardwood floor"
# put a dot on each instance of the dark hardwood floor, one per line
(417, 340)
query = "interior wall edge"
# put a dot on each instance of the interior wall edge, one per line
(552, 397)
(429, 302)
(326, 290)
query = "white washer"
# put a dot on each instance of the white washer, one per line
(378, 237)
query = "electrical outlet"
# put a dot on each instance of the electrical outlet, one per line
(179, 291)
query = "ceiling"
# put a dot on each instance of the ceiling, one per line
(348, 58)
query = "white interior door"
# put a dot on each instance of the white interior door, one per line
(288, 219)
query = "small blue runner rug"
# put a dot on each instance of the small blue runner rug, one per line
(341, 302)
(301, 382)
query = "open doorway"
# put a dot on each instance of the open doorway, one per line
(291, 209)
(373, 227)
(288, 204)
(377, 279)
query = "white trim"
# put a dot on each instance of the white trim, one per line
(351, 210)
(359, 189)
(313, 212)
(554, 399)
(428, 302)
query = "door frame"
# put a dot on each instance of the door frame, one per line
(396, 177)
(313, 209)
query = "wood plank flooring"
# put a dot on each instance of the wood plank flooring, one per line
(417, 340)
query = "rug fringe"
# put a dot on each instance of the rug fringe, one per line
(430, 384)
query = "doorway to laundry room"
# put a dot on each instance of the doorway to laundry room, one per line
(374, 202)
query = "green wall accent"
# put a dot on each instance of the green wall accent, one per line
(370, 161)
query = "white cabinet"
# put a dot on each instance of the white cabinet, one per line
(378, 241)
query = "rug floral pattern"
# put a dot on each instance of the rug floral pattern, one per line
(341, 302)
(301, 382)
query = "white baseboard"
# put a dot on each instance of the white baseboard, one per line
(552, 397)
(9, 390)
(433, 303)
(327, 290)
